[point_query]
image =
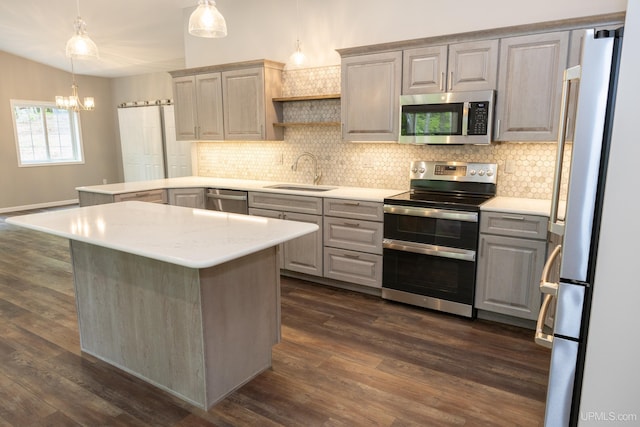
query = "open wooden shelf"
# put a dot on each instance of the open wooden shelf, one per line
(307, 98)
(301, 124)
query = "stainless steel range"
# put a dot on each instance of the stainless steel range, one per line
(431, 235)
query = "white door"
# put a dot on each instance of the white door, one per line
(141, 142)
(178, 152)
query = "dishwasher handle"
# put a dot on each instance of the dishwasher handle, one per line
(225, 197)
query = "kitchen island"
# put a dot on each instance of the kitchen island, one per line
(186, 299)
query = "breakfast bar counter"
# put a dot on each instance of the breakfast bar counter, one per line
(186, 299)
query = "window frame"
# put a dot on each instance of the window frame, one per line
(74, 123)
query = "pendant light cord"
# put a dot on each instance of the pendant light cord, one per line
(297, 24)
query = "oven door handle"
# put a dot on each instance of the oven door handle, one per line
(432, 213)
(433, 250)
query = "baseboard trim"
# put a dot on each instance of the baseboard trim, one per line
(39, 206)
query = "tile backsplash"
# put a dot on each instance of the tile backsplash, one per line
(524, 169)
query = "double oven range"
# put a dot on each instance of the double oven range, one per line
(431, 235)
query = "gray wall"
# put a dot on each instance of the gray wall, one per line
(29, 187)
(23, 187)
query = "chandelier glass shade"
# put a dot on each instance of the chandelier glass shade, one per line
(80, 45)
(207, 21)
(297, 58)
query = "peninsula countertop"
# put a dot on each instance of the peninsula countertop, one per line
(333, 191)
(193, 238)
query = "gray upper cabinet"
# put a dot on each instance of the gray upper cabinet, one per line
(198, 107)
(424, 70)
(209, 102)
(455, 67)
(530, 86)
(184, 98)
(370, 96)
(249, 110)
(230, 101)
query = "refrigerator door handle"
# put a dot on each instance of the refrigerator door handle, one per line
(545, 340)
(546, 287)
(570, 74)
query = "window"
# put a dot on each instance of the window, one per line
(46, 135)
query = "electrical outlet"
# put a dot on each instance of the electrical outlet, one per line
(104, 180)
(509, 166)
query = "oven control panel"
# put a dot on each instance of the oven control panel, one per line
(454, 171)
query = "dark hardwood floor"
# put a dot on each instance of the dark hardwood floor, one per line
(345, 359)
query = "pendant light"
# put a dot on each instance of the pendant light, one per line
(207, 21)
(80, 45)
(297, 58)
(73, 102)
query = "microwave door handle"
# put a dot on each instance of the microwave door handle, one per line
(570, 74)
(465, 118)
(541, 338)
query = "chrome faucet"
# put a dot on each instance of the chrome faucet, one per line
(316, 174)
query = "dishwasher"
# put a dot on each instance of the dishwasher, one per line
(222, 200)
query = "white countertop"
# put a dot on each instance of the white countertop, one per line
(517, 205)
(523, 206)
(338, 192)
(193, 238)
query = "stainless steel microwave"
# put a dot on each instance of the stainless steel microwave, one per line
(447, 118)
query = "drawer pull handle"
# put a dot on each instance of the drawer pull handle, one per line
(512, 217)
(349, 224)
(352, 203)
(351, 256)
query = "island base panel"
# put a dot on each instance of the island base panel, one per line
(241, 308)
(178, 328)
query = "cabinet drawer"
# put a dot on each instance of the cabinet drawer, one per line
(515, 225)
(356, 209)
(365, 236)
(286, 202)
(153, 196)
(353, 267)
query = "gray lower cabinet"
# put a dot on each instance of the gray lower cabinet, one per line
(187, 197)
(87, 198)
(353, 241)
(512, 252)
(151, 196)
(304, 254)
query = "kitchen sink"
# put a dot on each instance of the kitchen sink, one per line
(300, 187)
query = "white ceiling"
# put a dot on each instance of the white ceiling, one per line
(133, 36)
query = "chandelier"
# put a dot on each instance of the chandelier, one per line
(72, 102)
(79, 46)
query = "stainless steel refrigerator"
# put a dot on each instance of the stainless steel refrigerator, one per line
(564, 318)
